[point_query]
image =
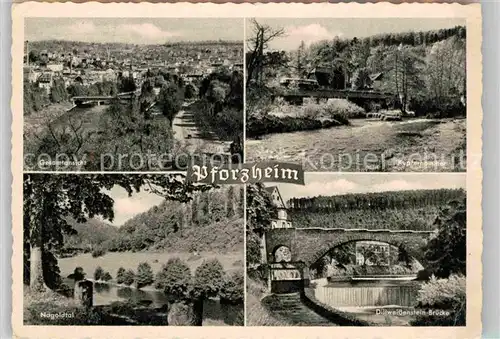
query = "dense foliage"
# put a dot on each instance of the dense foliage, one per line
(220, 107)
(260, 210)
(211, 221)
(144, 275)
(447, 295)
(447, 251)
(401, 210)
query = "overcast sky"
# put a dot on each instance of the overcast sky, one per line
(328, 184)
(314, 30)
(126, 207)
(133, 30)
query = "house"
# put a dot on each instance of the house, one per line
(376, 79)
(55, 67)
(282, 218)
(368, 251)
(45, 81)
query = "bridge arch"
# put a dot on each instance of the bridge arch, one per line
(411, 253)
(307, 245)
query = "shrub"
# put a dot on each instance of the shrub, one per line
(208, 278)
(120, 275)
(98, 252)
(98, 273)
(342, 110)
(129, 277)
(107, 277)
(443, 294)
(232, 288)
(144, 275)
(175, 279)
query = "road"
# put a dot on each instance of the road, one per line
(189, 136)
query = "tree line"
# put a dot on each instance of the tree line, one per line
(211, 221)
(376, 201)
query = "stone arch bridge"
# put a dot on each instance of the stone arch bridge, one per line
(307, 245)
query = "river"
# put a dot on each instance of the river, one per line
(362, 145)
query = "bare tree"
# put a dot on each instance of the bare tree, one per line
(257, 44)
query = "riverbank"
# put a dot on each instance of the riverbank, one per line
(35, 122)
(415, 145)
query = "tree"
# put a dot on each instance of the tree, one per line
(232, 289)
(98, 273)
(208, 280)
(404, 67)
(257, 44)
(129, 277)
(50, 199)
(300, 64)
(260, 211)
(447, 251)
(170, 100)
(144, 275)
(120, 275)
(175, 279)
(106, 277)
(445, 71)
(127, 84)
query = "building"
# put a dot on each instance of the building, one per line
(55, 67)
(45, 81)
(282, 218)
(372, 253)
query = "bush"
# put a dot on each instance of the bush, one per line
(98, 273)
(208, 279)
(129, 277)
(342, 110)
(443, 294)
(175, 279)
(107, 277)
(120, 275)
(98, 252)
(232, 288)
(144, 275)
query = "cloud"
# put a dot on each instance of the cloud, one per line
(82, 27)
(147, 31)
(397, 185)
(294, 35)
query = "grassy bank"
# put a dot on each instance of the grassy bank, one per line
(258, 315)
(282, 118)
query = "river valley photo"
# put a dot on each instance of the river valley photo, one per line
(132, 95)
(356, 95)
(357, 250)
(150, 250)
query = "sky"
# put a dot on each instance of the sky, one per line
(134, 30)
(126, 207)
(328, 184)
(314, 30)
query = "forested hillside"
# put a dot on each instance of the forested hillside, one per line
(212, 221)
(404, 210)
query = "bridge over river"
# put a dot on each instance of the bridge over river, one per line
(356, 96)
(302, 300)
(81, 100)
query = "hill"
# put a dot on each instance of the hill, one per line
(90, 234)
(401, 210)
(212, 221)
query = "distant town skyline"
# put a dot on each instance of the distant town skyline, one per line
(311, 30)
(133, 30)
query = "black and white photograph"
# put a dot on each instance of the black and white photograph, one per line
(357, 94)
(132, 94)
(132, 250)
(357, 250)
